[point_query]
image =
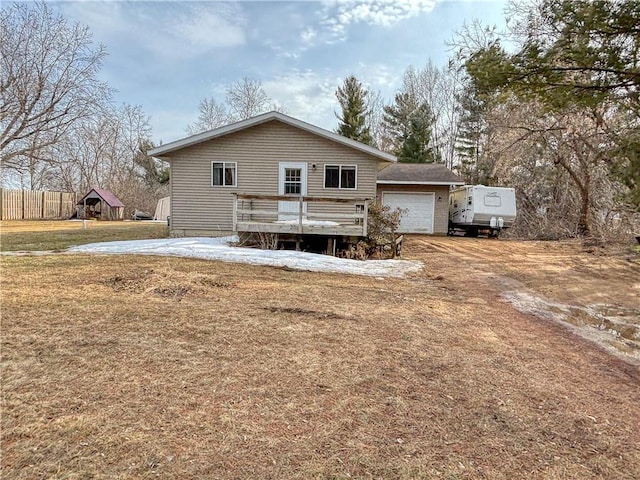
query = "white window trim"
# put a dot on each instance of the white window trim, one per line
(340, 187)
(224, 166)
(299, 182)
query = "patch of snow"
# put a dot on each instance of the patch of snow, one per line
(596, 330)
(219, 249)
(533, 305)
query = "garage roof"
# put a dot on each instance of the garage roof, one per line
(418, 174)
(106, 195)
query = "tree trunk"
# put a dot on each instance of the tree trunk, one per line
(584, 228)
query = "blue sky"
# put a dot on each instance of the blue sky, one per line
(168, 55)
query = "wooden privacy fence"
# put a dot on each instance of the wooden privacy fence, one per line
(36, 205)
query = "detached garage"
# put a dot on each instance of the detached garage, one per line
(422, 190)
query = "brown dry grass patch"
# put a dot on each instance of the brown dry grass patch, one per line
(38, 235)
(164, 282)
(21, 226)
(256, 372)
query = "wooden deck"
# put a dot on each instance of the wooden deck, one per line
(246, 218)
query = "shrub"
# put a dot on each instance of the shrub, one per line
(382, 228)
(262, 240)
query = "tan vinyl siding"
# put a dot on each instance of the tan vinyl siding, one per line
(198, 206)
(441, 202)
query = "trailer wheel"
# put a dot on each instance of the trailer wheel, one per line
(471, 232)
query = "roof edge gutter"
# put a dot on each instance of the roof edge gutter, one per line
(398, 182)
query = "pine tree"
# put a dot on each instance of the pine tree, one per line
(352, 97)
(409, 123)
(471, 138)
(575, 54)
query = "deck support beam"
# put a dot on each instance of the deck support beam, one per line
(331, 246)
(235, 212)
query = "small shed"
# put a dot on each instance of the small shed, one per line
(101, 204)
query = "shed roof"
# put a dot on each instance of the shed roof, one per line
(267, 117)
(418, 174)
(106, 195)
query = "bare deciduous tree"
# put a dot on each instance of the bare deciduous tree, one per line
(105, 150)
(558, 163)
(246, 98)
(212, 115)
(374, 120)
(48, 81)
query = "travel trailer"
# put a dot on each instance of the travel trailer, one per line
(476, 209)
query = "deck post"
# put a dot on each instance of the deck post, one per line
(300, 208)
(235, 212)
(366, 216)
(331, 246)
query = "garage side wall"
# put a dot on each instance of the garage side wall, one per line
(441, 194)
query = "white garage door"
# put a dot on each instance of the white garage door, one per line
(418, 215)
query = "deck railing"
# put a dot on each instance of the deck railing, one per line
(248, 217)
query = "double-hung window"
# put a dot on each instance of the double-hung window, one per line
(292, 181)
(340, 176)
(224, 174)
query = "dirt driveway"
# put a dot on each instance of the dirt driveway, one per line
(593, 291)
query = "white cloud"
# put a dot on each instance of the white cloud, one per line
(308, 35)
(339, 15)
(306, 95)
(164, 29)
(310, 95)
(379, 76)
(200, 29)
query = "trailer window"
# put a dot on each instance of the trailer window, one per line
(492, 201)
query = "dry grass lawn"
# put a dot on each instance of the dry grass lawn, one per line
(20, 235)
(147, 367)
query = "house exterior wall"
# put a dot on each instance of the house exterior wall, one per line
(441, 204)
(198, 208)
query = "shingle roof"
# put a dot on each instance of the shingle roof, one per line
(267, 117)
(106, 195)
(418, 174)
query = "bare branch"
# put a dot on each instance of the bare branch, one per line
(48, 78)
